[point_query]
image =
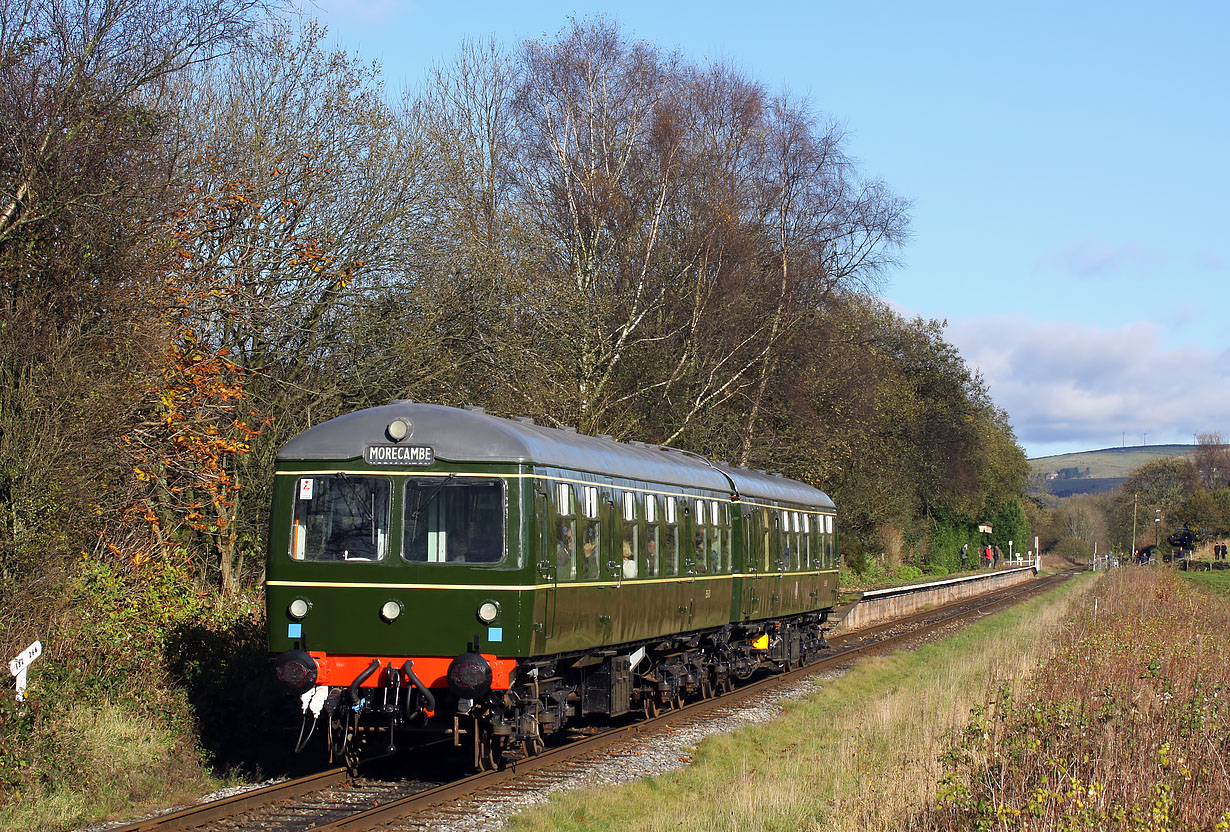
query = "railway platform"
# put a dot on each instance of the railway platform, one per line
(877, 605)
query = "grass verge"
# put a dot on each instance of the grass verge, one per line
(1123, 727)
(862, 752)
(1217, 581)
(107, 761)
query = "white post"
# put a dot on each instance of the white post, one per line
(21, 664)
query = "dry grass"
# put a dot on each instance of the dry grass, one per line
(1124, 727)
(112, 760)
(862, 753)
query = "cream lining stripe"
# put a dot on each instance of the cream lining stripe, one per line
(532, 587)
(548, 478)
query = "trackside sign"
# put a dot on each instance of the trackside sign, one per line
(21, 664)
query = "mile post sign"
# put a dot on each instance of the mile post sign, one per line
(21, 664)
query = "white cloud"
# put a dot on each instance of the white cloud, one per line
(1071, 388)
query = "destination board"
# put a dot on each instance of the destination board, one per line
(399, 455)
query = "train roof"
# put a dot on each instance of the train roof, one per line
(472, 435)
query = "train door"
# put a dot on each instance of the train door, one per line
(753, 561)
(624, 566)
(772, 586)
(767, 575)
(789, 587)
(741, 564)
(548, 539)
(685, 595)
(712, 596)
(609, 568)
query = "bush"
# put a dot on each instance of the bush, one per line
(147, 655)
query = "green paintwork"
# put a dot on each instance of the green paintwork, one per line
(539, 615)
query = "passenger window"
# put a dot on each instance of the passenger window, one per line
(631, 542)
(717, 551)
(565, 533)
(796, 562)
(670, 538)
(340, 518)
(591, 543)
(701, 548)
(653, 550)
(452, 520)
(590, 497)
(766, 524)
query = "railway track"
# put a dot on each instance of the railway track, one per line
(330, 802)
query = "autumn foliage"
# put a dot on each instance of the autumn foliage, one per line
(197, 420)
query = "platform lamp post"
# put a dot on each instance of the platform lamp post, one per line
(1133, 526)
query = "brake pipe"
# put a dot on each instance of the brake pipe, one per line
(430, 700)
(360, 679)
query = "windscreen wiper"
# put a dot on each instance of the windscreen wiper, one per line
(423, 504)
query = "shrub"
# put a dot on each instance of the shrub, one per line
(1123, 726)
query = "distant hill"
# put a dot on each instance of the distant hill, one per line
(1093, 472)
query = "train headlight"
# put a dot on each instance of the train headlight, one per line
(488, 611)
(299, 608)
(391, 610)
(398, 429)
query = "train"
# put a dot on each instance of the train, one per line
(443, 576)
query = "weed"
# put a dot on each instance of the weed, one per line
(1122, 727)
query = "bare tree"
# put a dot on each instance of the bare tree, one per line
(306, 199)
(71, 67)
(1212, 460)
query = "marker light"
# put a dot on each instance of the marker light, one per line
(298, 608)
(398, 429)
(488, 611)
(391, 610)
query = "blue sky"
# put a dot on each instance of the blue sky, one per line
(1069, 165)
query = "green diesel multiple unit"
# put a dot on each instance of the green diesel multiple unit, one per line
(436, 572)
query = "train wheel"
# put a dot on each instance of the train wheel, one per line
(533, 746)
(487, 748)
(706, 688)
(651, 707)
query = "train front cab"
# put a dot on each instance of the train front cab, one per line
(396, 593)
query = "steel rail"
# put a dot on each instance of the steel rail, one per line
(226, 807)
